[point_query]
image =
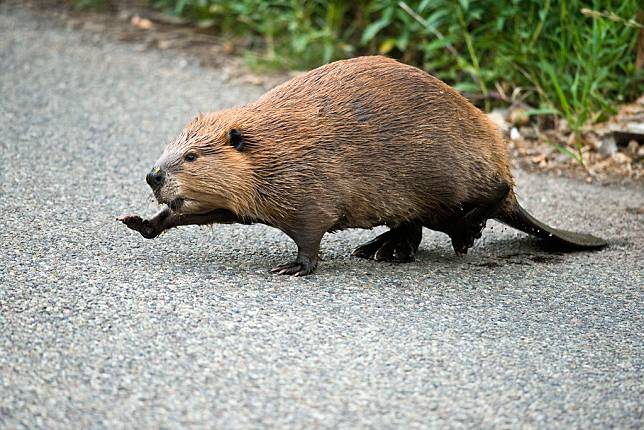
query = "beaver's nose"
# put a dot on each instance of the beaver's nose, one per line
(155, 178)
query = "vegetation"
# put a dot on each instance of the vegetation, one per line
(573, 58)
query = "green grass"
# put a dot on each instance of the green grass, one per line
(90, 4)
(573, 58)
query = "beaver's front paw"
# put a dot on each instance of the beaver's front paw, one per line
(139, 224)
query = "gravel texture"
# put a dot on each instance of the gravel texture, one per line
(100, 328)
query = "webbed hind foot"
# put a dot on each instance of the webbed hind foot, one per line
(463, 238)
(398, 245)
(469, 227)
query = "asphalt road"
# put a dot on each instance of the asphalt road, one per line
(100, 328)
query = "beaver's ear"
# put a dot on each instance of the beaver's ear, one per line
(235, 139)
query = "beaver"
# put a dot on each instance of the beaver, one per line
(353, 144)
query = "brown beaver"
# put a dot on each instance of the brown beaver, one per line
(355, 143)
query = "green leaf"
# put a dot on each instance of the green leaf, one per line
(542, 111)
(564, 150)
(466, 87)
(436, 44)
(560, 94)
(373, 28)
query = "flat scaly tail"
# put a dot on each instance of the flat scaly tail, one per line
(520, 219)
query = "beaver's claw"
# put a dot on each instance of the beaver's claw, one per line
(139, 224)
(301, 267)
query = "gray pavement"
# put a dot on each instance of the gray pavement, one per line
(100, 328)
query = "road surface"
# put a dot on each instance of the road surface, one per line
(100, 328)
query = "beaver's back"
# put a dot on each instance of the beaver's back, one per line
(374, 141)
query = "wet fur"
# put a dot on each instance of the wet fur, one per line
(356, 143)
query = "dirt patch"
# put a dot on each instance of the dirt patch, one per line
(612, 151)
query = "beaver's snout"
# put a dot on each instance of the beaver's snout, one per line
(155, 178)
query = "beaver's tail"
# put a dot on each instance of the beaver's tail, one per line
(517, 217)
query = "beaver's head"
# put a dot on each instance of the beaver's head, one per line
(205, 168)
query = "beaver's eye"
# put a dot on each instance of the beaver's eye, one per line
(236, 140)
(190, 156)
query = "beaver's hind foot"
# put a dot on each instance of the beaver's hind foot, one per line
(466, 229)
(397, 245)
